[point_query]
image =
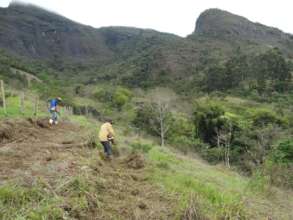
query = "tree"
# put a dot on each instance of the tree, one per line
(264, 139)
(264, 117)
(155, 116)
(214, 78)
(224, 139)
(121, 96)
(236, 70)
(272, 72)
(208, 119)
(162, 118)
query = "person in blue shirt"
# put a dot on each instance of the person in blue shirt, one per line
(54, 110)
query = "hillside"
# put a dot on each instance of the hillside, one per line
(130, 54)
(59, 174)
(218, 102)
(31, 32)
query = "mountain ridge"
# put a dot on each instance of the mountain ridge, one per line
(127, 53)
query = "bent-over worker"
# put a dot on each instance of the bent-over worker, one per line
(106, 136)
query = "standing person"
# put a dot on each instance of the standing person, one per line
(54, 110)
(106, 136)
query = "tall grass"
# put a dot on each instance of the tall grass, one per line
(221, 193)
(13, 108)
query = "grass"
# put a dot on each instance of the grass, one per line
(185, 178)
(13, 111)
(13, 108)
(84, 121)
(222, 194)
(18, 202)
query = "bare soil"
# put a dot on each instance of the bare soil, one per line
(31, 150)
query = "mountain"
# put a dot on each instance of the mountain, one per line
(221, 25)
(29, 31)
(130, 55)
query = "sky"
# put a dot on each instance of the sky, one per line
(172, 16)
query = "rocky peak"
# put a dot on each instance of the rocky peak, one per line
(223, 24)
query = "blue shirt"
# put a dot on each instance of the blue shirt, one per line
(53, 103)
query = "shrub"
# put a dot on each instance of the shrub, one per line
(266, 117)
(104, 94)
(283, 152)
(212, 154)
(279, 165)
(137, 146)
(183, 143)
(144, 115)
(121, 96)
(207, 119)
(114, 97)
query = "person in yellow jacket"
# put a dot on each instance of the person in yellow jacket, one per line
(106, 136)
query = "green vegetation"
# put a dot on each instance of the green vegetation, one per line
(19, 202)
(220, 193)
(228, 100)
(267, 73)
(14, 109)
(37, 202)
(116, 97)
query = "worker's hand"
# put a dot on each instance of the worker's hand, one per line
(112, 140)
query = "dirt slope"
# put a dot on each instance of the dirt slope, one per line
(31, 151)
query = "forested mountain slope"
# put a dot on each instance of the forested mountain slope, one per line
(130, 54)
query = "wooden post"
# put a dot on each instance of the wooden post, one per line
(3, 96)
(86, 111)
(36, 106)
(69, 109)
(21, 107)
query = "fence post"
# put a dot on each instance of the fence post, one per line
(86, 111)
(70, 110)
(3, 96)
(21, 107)
(36, 106)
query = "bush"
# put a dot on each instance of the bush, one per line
(121, 96)
(280, 175)
(181, 133)
(117, 97)
(266, 117)
(212, 155)
(283, 154)
(145, 148)
(183, 143)
(207, 119)
(279, 165)
(144, 115)
(103, 95)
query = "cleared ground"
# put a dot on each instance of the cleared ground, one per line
(62, 163)
(58, 173)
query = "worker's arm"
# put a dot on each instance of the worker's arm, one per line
(111, 131)
(110, 134)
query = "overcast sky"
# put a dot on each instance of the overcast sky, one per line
(173, 16)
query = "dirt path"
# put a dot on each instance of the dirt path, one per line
(30, 150)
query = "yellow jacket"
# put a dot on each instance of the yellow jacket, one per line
(106, 130)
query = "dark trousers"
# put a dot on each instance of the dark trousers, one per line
(107, 147)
